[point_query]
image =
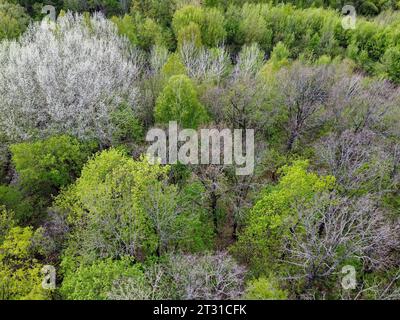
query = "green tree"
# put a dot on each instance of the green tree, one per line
(179, 102)
(214, 32)
(190, 34)
(120, 207)
(273, 215)
(126, 27)
(6, 221)
(391, 63)
(253, 26)
(151, 33)
(94, 281)
(13, 199)
(265, 289)
(13, 20)
(127, 128)
(47, 165)
(210, 21)
(159, 10)
(173, 67)
(20, 273)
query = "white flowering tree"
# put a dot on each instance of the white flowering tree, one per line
(66, 77)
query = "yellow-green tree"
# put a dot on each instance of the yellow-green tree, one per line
(179, 102)
(274, 214)
(20, 273)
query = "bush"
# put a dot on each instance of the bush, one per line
(391, 63)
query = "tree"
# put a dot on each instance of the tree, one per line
(13, 200)
(253, 26)
(391, 63)
(152, 285)
(185, 277)
(179, 102)
(126, 26)
(83, 71)
(13, 20)
(6, 222)
(190, 34)
(206, 277)
(303, 91)
(122, 207)
(265, 289)
(47, 165)
(210, 22)
(333, 232)
(204, 65)
(244, 98)
(160, 11)
(360, 161)
(214, 32)
(150, 33)
(20, 273)
(94, 281)
(359, 103)
(273, 218)
(279, 59)
(172, 67)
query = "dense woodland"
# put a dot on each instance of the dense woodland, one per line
(77, 96)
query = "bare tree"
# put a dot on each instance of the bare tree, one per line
(214, 182)
(206, 276)
(185, 277)
(357, 104)
(334, 230)
(203, 64)
(303, 91)
(357, 159)
(148, 286)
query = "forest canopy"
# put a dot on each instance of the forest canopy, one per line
(79, 193)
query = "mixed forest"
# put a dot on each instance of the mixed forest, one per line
(79, 91)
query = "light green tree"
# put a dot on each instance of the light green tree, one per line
(20, 273)
(47, 165)
(94, 281)
(273, 215)
(265, 289)
(13, 20)
(179, 102)
(210, 21)
(122, 207)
